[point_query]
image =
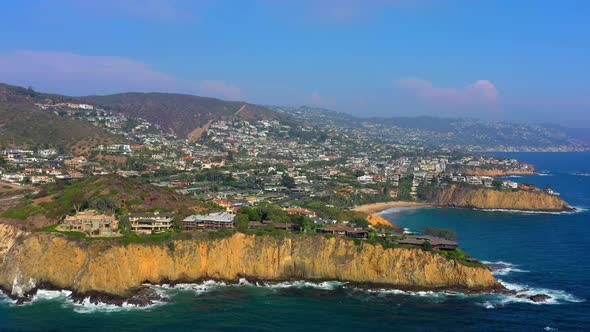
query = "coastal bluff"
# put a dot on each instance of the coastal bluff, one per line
(34, 260)
(484, 198)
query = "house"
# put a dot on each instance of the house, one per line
(474, 180)
(215, 220)
(357, 233)
(38, 179)
(365, 179)
(301, 211)
(510, 184)
(47, 153)
(76, 162)
(91, 222)
(287, 227)
(151, 222)
(435, 242)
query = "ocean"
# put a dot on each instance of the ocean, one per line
(531, 252)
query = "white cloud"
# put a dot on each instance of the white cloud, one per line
(479, 93)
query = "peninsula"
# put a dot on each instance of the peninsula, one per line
(485, 198)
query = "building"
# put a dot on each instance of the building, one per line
(365, 179)
(91, 222)
(301, 211)
(151, 222)
(38, 179)
(435, 242)
(357, 233)
(215, 220)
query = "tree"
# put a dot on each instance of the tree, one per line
(359, 172)
(242, 221)
(444, 233)
(360, 222)
(104, 204)
(287, 181)
(497, 184)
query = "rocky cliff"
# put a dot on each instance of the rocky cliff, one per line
(498, 171)
(482, 198)
(35, 259)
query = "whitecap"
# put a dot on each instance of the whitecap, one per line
(325, 285)
(528, 212)
(501, 268)
(555, 296)
(193, 287)
(87, 307)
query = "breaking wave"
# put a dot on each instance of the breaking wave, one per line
(555, 296)
(167, 292)
(576, 210)
(501, 268)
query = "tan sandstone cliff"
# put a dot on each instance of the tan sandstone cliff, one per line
(458, 196)
(99, 266)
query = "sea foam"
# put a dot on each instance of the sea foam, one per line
(501, 268)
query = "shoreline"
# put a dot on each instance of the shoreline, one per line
(145, 296)
(382, 206)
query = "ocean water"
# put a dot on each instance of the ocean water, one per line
(532, 253)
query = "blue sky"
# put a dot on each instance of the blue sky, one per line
(505, 59)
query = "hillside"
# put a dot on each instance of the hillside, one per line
(178, 113)
(24, 125)
(454, 133)
(111, 192)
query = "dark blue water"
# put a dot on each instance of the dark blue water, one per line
(533, 253)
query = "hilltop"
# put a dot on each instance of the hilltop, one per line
(23, 124)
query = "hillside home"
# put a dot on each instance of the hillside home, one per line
(91, 222)
(215, 220)
(151, 222)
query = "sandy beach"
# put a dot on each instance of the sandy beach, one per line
(378, 207)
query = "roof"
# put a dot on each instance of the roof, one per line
(420, 239)
(151, 214)
(215, 217)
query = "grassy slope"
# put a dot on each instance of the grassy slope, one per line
(131, 194)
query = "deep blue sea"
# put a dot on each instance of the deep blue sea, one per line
(533, 253)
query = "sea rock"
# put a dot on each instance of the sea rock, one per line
(539, 298)
(106, 267)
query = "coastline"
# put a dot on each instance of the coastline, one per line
(382, 206)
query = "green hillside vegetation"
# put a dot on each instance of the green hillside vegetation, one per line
(110, 194)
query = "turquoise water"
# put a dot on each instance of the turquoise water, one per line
(534, 253)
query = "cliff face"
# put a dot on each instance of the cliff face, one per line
(100, 266)
(498, 172)
(481, 198)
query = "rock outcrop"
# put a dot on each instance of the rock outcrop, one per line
(100, 266)
(483, 198)
(498, 171)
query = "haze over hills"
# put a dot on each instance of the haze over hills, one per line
(451, 132)
(188, 116)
